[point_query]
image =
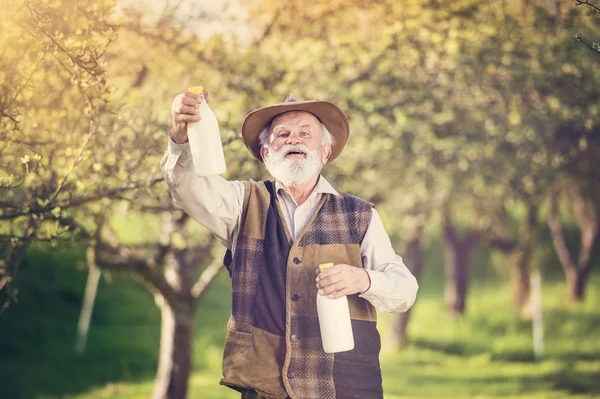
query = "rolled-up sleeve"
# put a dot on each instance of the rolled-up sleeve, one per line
(212, 201)
(393, 287)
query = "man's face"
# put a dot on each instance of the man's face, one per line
(295, 153)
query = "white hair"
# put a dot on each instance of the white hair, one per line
(326, 136)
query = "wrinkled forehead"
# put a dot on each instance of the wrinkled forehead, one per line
(293, 119)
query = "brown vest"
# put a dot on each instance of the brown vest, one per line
(273, 343)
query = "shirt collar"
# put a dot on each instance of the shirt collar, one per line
(322, 187)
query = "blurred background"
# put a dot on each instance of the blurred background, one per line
(475, 130)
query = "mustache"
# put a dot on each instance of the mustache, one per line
(291, 147)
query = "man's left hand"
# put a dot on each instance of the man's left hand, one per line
(342, 279)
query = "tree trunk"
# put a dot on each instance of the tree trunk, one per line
(456, 261)
(457, 281)
(12, 256)
(414, 262)
(176, 348)
(576, 268)
(521, 270)
(576, 283)
(177, 317)
(521, 286)
(518, 254)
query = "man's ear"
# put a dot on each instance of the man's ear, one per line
(326, 153)
(264, 152)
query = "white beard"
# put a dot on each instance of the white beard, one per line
(293, 170)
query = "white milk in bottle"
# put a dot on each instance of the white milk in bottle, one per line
(205, 140)
(334, 322)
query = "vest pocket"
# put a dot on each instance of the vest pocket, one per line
(239, 336)
(240, 327)
(237, 352)
(253, 358)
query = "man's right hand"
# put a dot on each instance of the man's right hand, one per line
(183, 110)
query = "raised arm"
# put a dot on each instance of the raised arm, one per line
(211, 200)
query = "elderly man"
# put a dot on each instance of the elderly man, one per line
(278, 232)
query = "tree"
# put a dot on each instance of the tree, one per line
(583, 200)
(174, 271)
(579, 37)
(77, 146)
(470, 119)
(48, 66)
(480, 124)
(414, 261)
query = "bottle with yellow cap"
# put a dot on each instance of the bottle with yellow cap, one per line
(205, 140)
(334, 322)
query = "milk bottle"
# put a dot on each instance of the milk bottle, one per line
(334, 322)
(205, 140)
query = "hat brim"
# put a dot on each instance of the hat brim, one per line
(327, 112)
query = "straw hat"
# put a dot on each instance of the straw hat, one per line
(327, 112)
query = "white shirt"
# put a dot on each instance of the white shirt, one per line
(217, 203)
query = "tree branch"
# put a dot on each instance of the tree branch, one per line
(11, 186)
(112, 193)
(501, 243)
(27, 80)
(472, 239)
(594, 47)
(587, 3)
(208, 274)
(120, 258)
(268, 29)
(91, 134)
(110, 255)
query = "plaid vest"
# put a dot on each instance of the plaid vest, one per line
(273, 342)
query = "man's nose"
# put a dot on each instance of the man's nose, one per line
(293, 139)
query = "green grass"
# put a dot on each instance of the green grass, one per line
(485, 354)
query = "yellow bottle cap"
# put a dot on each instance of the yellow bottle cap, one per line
(323, 266)
(196, 89)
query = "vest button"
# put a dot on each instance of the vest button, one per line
(295, 297)
(291, 374)
(297, 261)
(294, 338)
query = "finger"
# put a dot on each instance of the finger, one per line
(191, 95)
(205, 94)
(324, 282)
(330, 289)
(187, 118)
(340, 293)
(186, 109)
(330, 271)
(180, 101)
(188, 101)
